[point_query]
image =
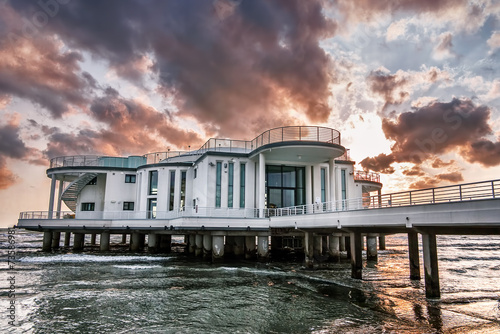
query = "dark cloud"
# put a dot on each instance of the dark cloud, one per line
(435, 129)
(425, 182)
(451, 177)
(391, 87)
(414, 171)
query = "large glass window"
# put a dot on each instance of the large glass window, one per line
(323, 185)
(152, 208)
(183, 189)
(343, 182)
(88, 206)
(218, 178)
(285, 186)
(153, 182)
(230, 182)
(172, 190)
(242, 185)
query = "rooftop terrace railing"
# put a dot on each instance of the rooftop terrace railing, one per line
(360, 175)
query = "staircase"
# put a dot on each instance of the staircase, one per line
(70, 195)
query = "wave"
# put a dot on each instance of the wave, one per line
(90, 258)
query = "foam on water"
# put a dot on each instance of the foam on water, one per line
(84, 258)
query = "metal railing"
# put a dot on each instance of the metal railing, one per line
(360, 175)
(96, 160)
(345, 157)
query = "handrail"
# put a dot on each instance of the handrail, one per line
(361, 175)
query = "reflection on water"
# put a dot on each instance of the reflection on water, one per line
(127, 293)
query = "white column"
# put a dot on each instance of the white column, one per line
(52, 195)
(263, 247)
(262, 185)
(59, 200)
(308, 185)
(316, 183)
(332, 180)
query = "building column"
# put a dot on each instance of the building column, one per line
(153, 242)
(217, 247)
(59, 199)
(342, 243)
(56, 239)
(356, 255)
(92, 238)
(124, 238)
(104, 242)
(309, 195)
(67, 237)
(192, 243)
(262, 247)
(239, 246)
(229, 246)
(52, 195)
(318, 247)
(429, 246)
(348, 246)
(136, 239)
(309, 249)
(250, 247)
(207, 246)
(165, 243)
(47, 241)
(414, 255)
(198, 250)
(371, 247)
(332, 181)
(334, 247)
(262, 185)
(381, 241)
(78, 241)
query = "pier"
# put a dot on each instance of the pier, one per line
(320, 230)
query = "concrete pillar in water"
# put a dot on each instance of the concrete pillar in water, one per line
(429, 246)
(165, 243)
(318, 246)
(192, 243)
(207, 246)
(124, 238)
(342, 244)
(334, 247)
(371, 247)
(92, 238)
(217, 248)
(229, 246)
(309, 249)
(104, 242)
(348, 246)
(67, 237)
(276, 246)
(78, 241)
(356, 241)
(198, 251)
(250, 247)
(136, 241)
(325, 244)
(153, 242)
(52, 195)
(262, 247)
(239, 246)
(414, 255)
(56, 239)
(381, 242)
(47, 241)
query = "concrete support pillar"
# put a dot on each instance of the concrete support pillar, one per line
(250, 247)
(429, 246)
(47, 241)
(165, 243)
(153, 242)
(318, 246)
(239, 246)
(356, 255)
(56, 239)
(67, 237)
(334, 247)
(309, 194)
(207, 246)
(324, 244)
(92, 238)
(331, 184)
(104, 242)
(342, 244)
(262, 185)
(229, 246)
(309, 249)
(136, 241)
(381, 242)
(414, 255)
(59, 199)
(124, 238)
(198, 251)
(191, 243)
(348, 246)
(262, 247)
(217, 248)
(78, 241)
(52, 195)
(276, 244)
(371, 247)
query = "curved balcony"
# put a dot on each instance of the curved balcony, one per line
(360, 175)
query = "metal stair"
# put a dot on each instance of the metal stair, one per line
(70, 194)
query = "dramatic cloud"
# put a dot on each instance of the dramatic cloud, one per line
(494, 41)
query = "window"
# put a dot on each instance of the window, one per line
(242, 185)
(152, 208)
(183, 189)
(218, 178)
(129, 178)
(128, 206)
(172, 190)
(153, 182)
(195, 172)
(285, 186)
(343, 182)
(88, 206)
(323, 185)
(230, 185)
(92, 182)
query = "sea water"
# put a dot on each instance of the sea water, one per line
(124, 292)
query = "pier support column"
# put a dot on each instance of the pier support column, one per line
(342, 244)
(371, 247)
(414, 255)
(381, 242)
(78, 241)
(334, 247)
(153, 242)
(348, 246)
(239, 246)
(124, 238)
(429, 246)
(191, 243)
(56, 239)
(104, 242)
(318, 246)
(356, 241)
(207, 246)
(93, 238)
(198, 250)
(229, 246)
(137, 241)
(309, 250)
(67, 237)
(165, 243)
(262, 247)
(250, 247)
(47, 241)
(217, 248)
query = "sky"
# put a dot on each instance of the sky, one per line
(413, 86)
